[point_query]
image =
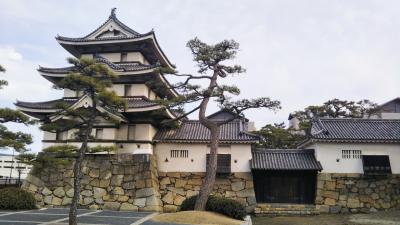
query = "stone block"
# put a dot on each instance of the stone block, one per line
(353, 203)
(123, 198)
(117, 191)
(48, 199)
(330, 194)
(99, 192)
(129, 185)
(59, 192)
(128, 207)
(196, 182)
(104, 183)
(191, 193)
(116, 180)
(66, 201)
(330, 185)
(168, 198)
(251, 201)
(145, 192)
(170, 208)
(245, 193)
(112, 205)
(88, 200)
(46, 191)
(94, 173)
(179, 191)
(322, 208)
(140, 184)
(140, 202)
(174, 174)
(56, 201)
(330, 202)
(70, 193)
(153, 200)
(238, 185)
(86, 193)
(335, 209)
(180, 183)
(178, 200)
(165, 181)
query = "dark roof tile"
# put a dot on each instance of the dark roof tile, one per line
(194, 131)
(356, 129)
(266, 159)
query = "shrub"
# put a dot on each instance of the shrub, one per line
(16, 198)
(225, 206)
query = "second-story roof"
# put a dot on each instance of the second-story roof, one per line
(192, 131)
(354, 130)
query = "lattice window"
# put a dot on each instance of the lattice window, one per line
(351, 154)
(179, 153)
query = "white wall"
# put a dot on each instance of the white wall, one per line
(112, 57)
(327, 153)
(136, 89)
(197, 152)
(5, 161)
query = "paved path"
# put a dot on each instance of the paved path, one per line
(59, 216)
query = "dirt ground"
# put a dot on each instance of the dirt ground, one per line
(378, 218)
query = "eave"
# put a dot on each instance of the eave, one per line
(309, 141)
(75, 45)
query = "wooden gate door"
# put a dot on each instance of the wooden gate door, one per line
(285, 187)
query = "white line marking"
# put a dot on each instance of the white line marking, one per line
(16, 221)
(65, 218)
(11, 213)
(144, 219)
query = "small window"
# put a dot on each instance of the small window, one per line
(351, 154)
(124, 57)
(127, 90)
(99, 133)
(131, 132)
(179, 153)
(59, 136)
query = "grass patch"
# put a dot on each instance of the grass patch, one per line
(196, 218)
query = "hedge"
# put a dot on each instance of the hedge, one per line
(225, 206)
(16, 198)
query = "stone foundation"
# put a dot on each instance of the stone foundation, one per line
(107, 183)
(357, 192)
(177, 186)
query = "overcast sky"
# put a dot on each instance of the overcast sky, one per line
(299, 52)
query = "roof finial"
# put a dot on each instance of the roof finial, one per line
(113, 12)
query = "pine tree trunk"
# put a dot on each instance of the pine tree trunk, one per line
(77, 178)
(78, 167)
(211, 171)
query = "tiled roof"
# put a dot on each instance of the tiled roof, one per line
(194, 131)
(47, 104)
(356, 129)
(132, 102)
(266, 159)
(126, 66)
(128, 32)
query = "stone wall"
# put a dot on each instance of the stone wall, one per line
(177, 186)
(127, 183)
(357, 192)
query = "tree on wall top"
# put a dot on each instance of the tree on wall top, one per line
(212, 67)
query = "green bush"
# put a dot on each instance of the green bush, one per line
(16, 198)
(225, 206)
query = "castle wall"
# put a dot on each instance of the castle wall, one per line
(128, 184)
(352, 192)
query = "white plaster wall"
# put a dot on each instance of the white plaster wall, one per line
(90, 56)
(135, 148)
(144, 132)
(136, 89)
(69, 93)
(327, 153)
(198, 152)
(5, 161)
(391, 116)
(112, 57)
(136, 57)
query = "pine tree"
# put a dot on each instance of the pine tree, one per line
(92, 80)
(211, 62)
